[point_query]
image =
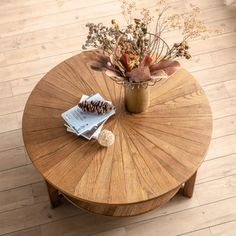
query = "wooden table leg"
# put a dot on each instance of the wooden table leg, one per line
(53, 195)
(189, 186)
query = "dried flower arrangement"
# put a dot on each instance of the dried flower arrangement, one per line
(134, 55)
(137, 55)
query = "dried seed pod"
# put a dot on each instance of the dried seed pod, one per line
(100, 107)
(106, 138)
(187, 56)
(137, 21)
(113, 21)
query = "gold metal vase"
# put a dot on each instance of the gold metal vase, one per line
(137, 98)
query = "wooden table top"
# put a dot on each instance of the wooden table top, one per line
(154, 152)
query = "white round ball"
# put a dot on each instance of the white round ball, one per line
(106, 138)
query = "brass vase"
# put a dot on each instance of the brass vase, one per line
(137, 98)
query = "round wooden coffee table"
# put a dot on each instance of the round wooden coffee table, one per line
(154, 155)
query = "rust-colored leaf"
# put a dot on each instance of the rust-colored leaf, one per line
(168, 66)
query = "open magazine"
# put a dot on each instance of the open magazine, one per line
(83, 123)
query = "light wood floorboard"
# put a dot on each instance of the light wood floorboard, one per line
(37, 35)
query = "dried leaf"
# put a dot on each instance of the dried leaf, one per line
(168, 66)
(147, 61)
(100, 61)
(159, 74)
(125, 62)
(114, 75)
(139, 74)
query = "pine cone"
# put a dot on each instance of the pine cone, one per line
(100, 107)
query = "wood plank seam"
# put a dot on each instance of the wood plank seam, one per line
(229, 77)
(152, 218)
(149, 219)
(78, 50)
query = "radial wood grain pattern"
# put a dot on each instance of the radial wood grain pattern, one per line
(153, 154)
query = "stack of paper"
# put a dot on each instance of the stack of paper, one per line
(86, 124)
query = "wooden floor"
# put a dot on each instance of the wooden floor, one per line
(37, 35)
